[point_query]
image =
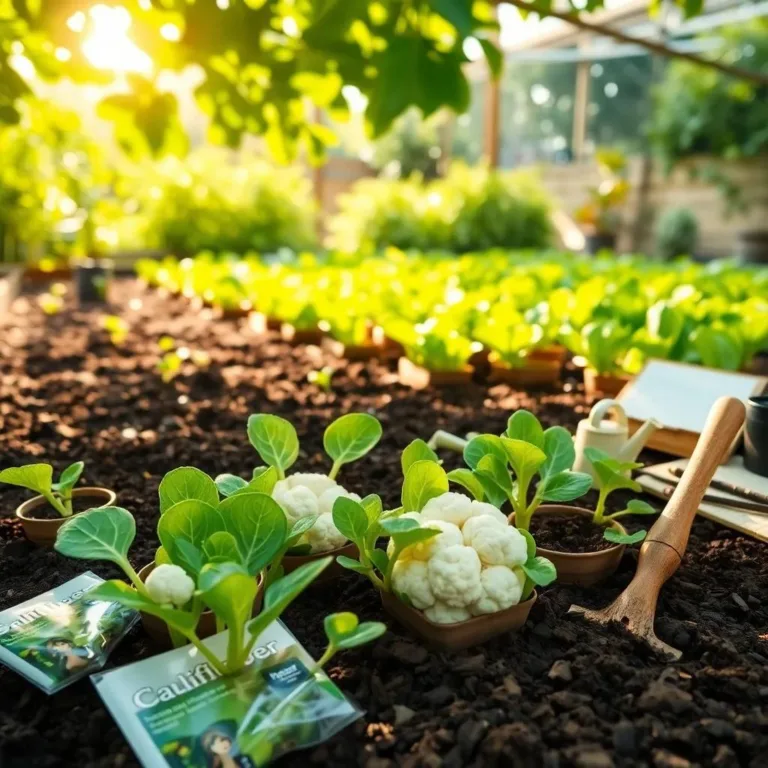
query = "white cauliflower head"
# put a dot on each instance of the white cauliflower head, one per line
(170, 584)
(454, 575)
(296, 502)
(328, 497)
(324, 536)
(410, 578)
(496, 545)
(475, 524)
(484, 508)
(449, 536)
(440, 613)
(502, 588)
(314, 481)
(450, 507)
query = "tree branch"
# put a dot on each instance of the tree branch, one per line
(651, 45)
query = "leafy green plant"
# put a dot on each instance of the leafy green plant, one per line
(613, 475)
(502, 469)
(38, 478)
(676, 233)
(116, 327)
(322, 378)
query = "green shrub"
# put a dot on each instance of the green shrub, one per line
(470, 209)
(676, 233)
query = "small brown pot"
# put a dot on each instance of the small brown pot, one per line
(298, 336)
(456, 637)
(416, 377)
(206, 627)
(552, 352)
(390, 349)
(43, 532)
(354, 353)
(533, 373)
(333, 571)
(232, 313)
(584, 568)
(606, 384)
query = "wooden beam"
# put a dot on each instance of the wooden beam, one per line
(492, 119)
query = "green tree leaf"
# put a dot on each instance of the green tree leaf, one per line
(415, 451)
(523, 425)
(560, 451)
(105, 533)
(186, 483)
(493, 56)
(425, 480)
(351, 437)
(351, 520)
(274, 439)
(35, 477)
(259, 526)
(466, 479)
(565, 486)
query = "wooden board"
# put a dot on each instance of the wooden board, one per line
(655, 478)
(679, 396)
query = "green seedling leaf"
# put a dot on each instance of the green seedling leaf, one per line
(274, 439)
(565, 486)
(640, 507)
(406, 538)
(339, 625)
(105, 533)
(360, 635)
(162, 557)
(193, 520)
(560, 452)
(540, 571)
(300, 550)
(525, 459)
(394, 525)
(284, 591)
(186, 483)
(467, 480)
(530, 543)
(221, 547)
(617, 537)
(612, 479)
(425, 480)
(35, 477)
(69, 477)
(229, 591)
(351, 437)
(183, 622)
(483, 445)
(351, 564)
(263, 481)
(259, 526)
(418, 450)
(298, 529)
(523, 425)
(380, 559)
(229, 484)
(496, 470)
(189, 557)
(351, 519)
(372, 506)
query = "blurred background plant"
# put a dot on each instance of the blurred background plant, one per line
(676, 233)
(601, 214)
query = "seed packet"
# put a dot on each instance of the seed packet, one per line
(61, 635)
(176, 710)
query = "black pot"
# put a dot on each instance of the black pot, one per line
(92, 279)
(598, 242)
(756, 436)
(753, 246)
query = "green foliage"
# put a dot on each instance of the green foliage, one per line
(38, 478)
(349, 438)
(676, 233)
(424, 480)
(469, 209)
(275, 440)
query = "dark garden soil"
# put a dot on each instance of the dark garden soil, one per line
(559, 693)
(571, 533)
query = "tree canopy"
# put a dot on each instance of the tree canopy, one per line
(269, 66)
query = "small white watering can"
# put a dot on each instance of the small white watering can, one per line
(612, 437)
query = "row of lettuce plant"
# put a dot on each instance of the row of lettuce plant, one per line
(615, 312)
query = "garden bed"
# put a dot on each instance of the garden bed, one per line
(559, 693)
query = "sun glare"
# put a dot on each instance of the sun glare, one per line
(107, 45)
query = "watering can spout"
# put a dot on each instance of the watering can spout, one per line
(635, 444)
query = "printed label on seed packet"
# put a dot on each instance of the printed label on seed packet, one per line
(176, 710)
(62, 635)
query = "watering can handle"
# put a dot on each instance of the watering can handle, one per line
(600, 411)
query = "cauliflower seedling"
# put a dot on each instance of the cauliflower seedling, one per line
(454, 575)
(440, 613)
(450, 507)
(170, 584)
(296, 502)
(324, 536)
(327, 498)
(409, 577)
(498, 546)
(502, 588)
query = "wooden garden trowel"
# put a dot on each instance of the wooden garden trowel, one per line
(664, 547)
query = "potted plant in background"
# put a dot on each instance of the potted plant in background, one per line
(42, 516)
(600, 216)
(676, 233)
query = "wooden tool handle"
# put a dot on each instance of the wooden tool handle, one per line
(664, 547)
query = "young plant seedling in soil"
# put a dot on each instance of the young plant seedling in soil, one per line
(213, 555)
(529, 450)
(307, 495)
(612, 475)
(38, 478)
(448, 556)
